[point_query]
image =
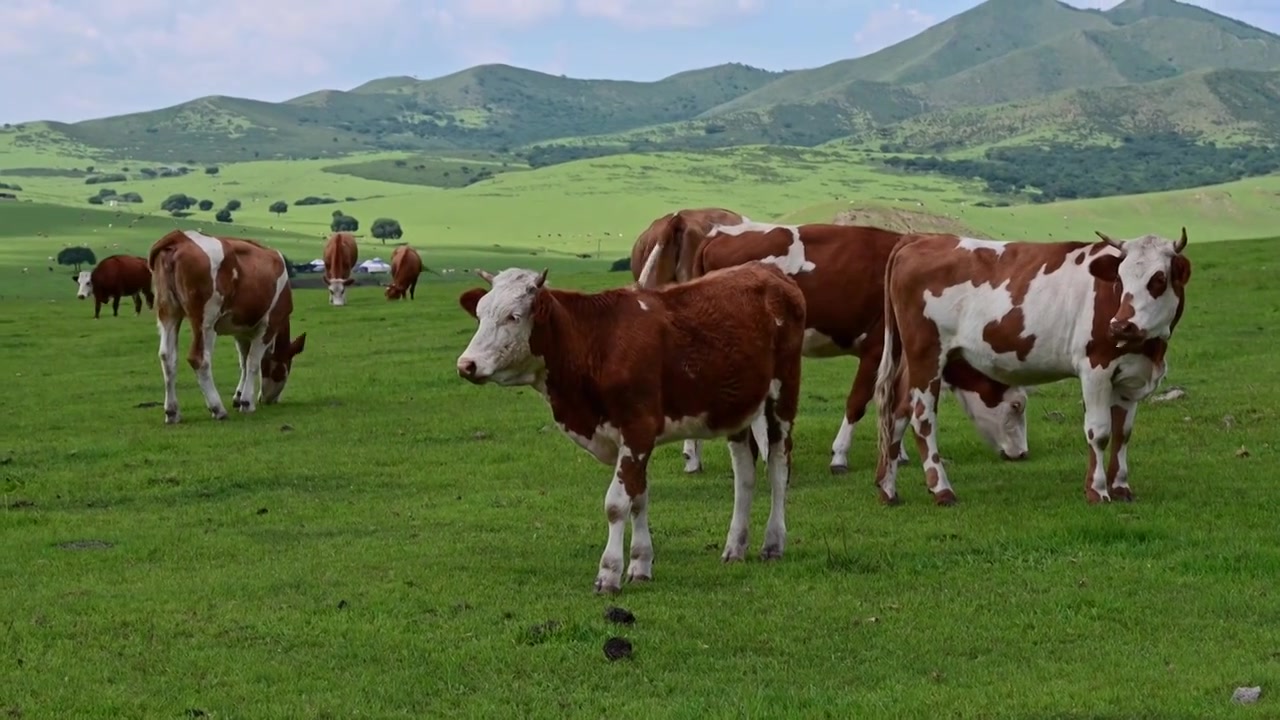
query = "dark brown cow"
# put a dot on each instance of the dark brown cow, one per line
(116, 277)
(674, 239)
(226, 286)
(1027, 313)
(339, 260)
(406, 266)
(840, 269)
(628, 369)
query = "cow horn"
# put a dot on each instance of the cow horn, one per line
(1182, 242)
(1107, 239)
(542, 278)
(487, 277)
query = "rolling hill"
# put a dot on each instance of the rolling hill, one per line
(1002, 71)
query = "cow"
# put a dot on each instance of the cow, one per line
(406, 266)
(1027, 313)
(674, 238)
(116, 277)
(840, 270)
(339, 260)
(628, 369)
(226, 286)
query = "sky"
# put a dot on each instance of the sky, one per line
(70, 60)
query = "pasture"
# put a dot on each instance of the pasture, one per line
(390, 541)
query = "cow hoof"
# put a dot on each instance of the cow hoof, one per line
(172, 417)
(639, 577)
(246, 408)
(1122, 494)
(841, 469)
(606, 586)
(1093, 497)
(771, 552)
(691, 465)
(219, 413)
(945, 498)
(890, 500)
(731, 555)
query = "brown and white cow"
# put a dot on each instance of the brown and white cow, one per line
(840, 270)
(406, 266)
(628, 369)
(339, 260)
(1027, 313)
(225, 286)
(673, 241)
(116, 277)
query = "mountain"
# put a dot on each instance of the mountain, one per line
(1002, 70)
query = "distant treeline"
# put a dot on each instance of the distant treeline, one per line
(1061, 171)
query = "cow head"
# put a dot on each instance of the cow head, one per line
(276, 366)
(393, 292)
(338, 289)
(85, 281)
(499, 351)
(1152, 273)
(1003, 427)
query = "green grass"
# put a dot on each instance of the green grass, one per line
(427, 170)
(392, 542)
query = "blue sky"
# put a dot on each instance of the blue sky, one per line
(74, 59)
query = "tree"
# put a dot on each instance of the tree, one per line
(233, 205)
(177, 202)
(344, 223)
(386, 229)
(76, 256)
(211, 170)
(223, 216)
(279, 207)
(206, 205)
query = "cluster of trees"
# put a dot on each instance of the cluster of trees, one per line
(106, 194)
(10, 186)
(179, 204)
(343, 223)
(76, 256)
(107, 178)
(1062, 171)
(313, 200)
(386, 229)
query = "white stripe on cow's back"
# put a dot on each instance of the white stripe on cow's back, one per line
(213, 248)
(744, 227)
(282, 281)
(974, 244)
(793, 263)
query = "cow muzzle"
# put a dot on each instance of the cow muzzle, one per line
(468, 371)
(1125, 330)
(1013, 458)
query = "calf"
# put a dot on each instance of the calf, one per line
(840, 270)
(628, 369)
(226, 286)
(115, 277)
(672, 241)
(406, 266)
(339, 260)
(1027, 313)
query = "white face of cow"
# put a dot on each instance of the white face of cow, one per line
(1003, 427)
(499, 351)
(338, 290)
(85, 281)
(1151, 271)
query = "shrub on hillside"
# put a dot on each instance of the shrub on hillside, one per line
(313, 200)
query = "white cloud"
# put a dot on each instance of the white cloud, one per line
(510, 12)
(647, 14)
(891, 25)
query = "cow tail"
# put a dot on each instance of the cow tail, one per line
(890, 370)
(160, 261)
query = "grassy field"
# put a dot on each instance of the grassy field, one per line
(392, 542)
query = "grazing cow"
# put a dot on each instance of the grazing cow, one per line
(1027, 313)
(674, 239)
(339, 261)
(406, 266)
(840, 270)
(116, 277)
(226, 286)
(628, 369)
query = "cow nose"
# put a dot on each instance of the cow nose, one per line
(467, 368)
(1123, 328)
(1014, 458)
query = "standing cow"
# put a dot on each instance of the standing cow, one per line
(339, 261)
(226, 286)
(628, 369)
(116, 277)
(406, 266)
(840, 270)
(673, 241)
(1027, 313)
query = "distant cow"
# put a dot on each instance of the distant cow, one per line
(628, 369)
(1027, 313)
(840, 269)
(406, 266)
(675, 238)
(226, 286)
(339, 260)
(116, 277)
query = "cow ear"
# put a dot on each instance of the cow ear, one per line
(1180, 270)
(298, 345)
(348, 281)
(469, 299)
(1106, 268)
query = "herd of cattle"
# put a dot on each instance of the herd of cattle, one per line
(708, 340)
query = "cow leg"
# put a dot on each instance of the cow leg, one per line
(200, 357)
(151, 298)
(855, 407)
(924, 421)
(253, 375)
(97, 308)
(891, 457)
(115, 306)
(781, 414)
(744, 482)
(412, 287)
(243, 350)
(168, 327)
(1122, 417)
(629, 485)
(641, 566)
(1096, 388)
(692, 456)
(137, 303)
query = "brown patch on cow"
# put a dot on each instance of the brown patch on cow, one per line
(1108, 301)
(117, 277)
(339, 257)
(1158, 284)
(959, 373)
(677, 236)
(936, 459)
(1006, 335)
(613, 512)
(926, 429)
(919, 409)
(406, 267)
(631, 474)
(1126, 310)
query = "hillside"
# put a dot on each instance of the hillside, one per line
(1002, 70)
